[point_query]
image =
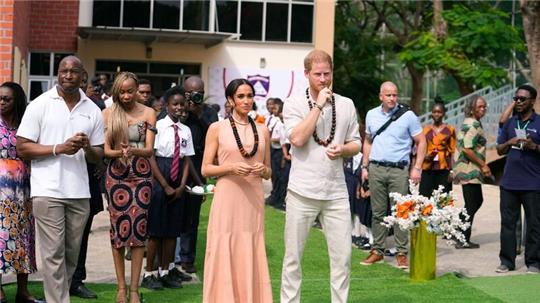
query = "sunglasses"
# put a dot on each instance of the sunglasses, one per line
(521, 98)
(6, 98)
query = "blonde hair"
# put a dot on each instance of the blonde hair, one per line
(117, 125)
(317, 56)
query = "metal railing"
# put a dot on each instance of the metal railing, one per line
(497, 100)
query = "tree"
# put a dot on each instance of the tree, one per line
(406, 20)
(356, 49)
(478, 38)
(531, 27)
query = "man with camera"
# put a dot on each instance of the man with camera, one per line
(390, 132)
(201, 115)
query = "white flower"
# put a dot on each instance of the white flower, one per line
(439, 213)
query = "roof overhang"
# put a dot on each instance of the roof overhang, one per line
(149, 36)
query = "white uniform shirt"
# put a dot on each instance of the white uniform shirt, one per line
(275, 133)
(164, 142)
(48, 121)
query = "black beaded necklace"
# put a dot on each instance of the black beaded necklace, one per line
(332, 130)
(237, 138)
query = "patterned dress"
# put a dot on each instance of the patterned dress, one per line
(129, 189)
(472, 137)
(17, 250)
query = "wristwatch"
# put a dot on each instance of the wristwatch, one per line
(362, 166)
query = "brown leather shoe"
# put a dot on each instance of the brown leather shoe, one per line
(188, 267)
(373, 258)
(402, 261)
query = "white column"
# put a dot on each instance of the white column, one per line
(86, 9)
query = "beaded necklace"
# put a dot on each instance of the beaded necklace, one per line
(332, 130)
(237, 138)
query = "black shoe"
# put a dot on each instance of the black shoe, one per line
(19, 299)
(82, 291)
(179, 276)
(168, 282)
(467, 245)
(188, 267)
(151, 282)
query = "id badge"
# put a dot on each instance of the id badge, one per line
(521, 133)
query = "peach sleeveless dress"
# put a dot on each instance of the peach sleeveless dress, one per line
(235, 266)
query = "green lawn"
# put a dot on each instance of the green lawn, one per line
(377, 283)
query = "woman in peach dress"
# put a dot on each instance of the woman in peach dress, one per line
(235, 268)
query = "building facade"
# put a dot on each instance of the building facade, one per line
(166, 41)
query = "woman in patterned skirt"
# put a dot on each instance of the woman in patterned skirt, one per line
(129, 141)
(17, 250)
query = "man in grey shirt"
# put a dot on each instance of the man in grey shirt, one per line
(323, 129)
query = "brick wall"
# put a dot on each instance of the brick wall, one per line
(6, 40)
(53, 25)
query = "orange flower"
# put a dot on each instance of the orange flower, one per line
(403, 209)
(427, 210)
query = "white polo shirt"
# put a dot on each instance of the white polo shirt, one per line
(48, 121)
(313, 175)
(164, 142)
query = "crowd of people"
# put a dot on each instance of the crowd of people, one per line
(85, 139)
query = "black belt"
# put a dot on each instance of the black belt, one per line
(400, 164)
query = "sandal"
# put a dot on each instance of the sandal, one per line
(137, 295)
(121, 295)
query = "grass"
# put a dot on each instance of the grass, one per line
(377, 283)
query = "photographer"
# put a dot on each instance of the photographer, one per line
(201, 115)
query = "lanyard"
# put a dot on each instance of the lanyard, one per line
(524, 126)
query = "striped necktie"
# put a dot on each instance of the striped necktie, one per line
(176, 155)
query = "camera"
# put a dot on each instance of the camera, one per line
(365, 185)
(196, 97)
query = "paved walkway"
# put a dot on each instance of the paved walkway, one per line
(470, 262)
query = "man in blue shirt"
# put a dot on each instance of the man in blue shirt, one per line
(388, 156)
(520, 184)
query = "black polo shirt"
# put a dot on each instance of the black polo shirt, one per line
(199, 127)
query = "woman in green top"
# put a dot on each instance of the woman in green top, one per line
(471, 167)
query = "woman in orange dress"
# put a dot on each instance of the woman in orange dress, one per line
(441, 145)
(235, 268)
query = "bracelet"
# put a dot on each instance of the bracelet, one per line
(54, 150)
(318, 106)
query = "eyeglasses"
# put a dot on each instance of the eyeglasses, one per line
(521, 98)
(6, 98)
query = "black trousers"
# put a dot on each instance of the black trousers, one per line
(276, 156)
(80, 271)
(511, 201)
(431, 179)
(188, 239)
(472, 194)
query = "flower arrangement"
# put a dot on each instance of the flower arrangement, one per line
(439, 213)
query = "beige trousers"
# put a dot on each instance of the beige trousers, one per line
(59, 228)
(335, 218)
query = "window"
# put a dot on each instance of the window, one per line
(43, 72)
(226, 16)
(106, 13)
(162, 75)
(271, 17)
(136, 13)
(166, 14)
(196, 15)
(255, 20)
(251, 21)
(276, 21)
(302, 23)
